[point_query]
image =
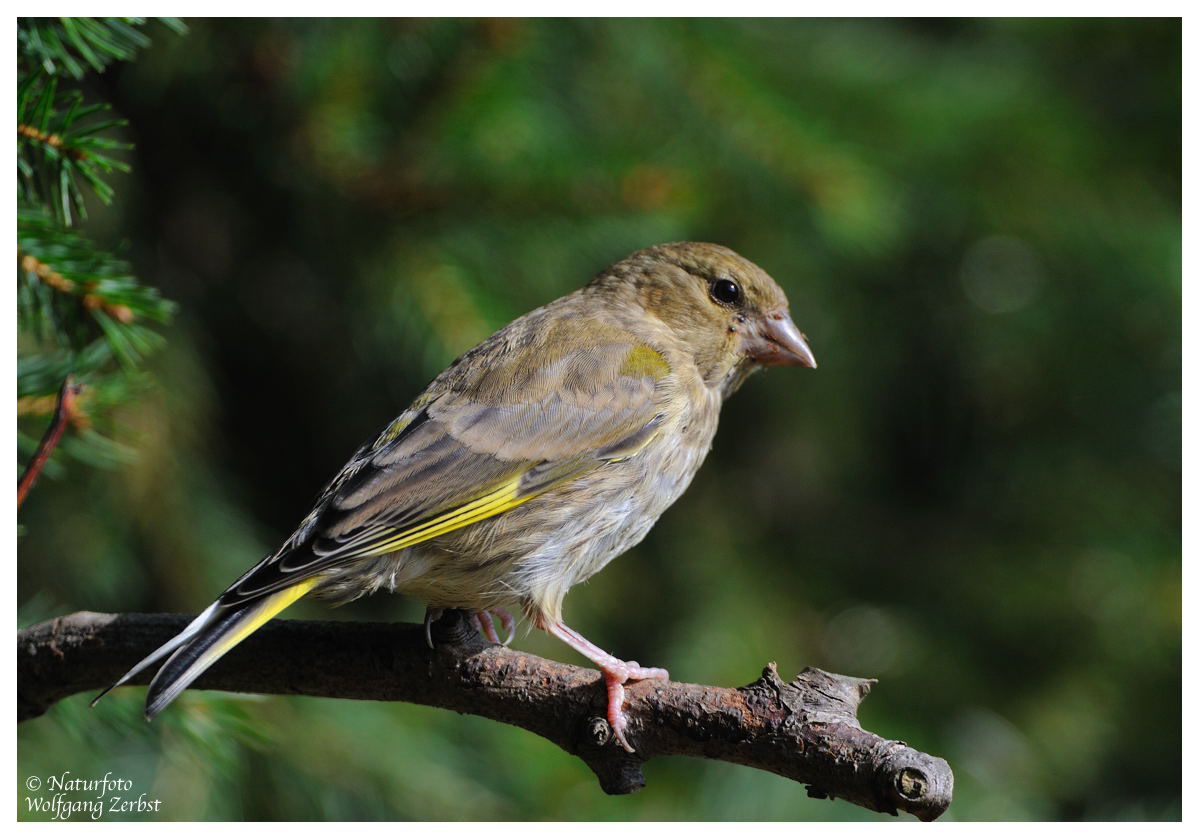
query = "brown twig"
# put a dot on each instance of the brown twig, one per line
(805, 729)
(45, 272)
(58, 424)
(54, 141)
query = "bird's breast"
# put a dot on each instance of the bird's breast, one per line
(585, 524)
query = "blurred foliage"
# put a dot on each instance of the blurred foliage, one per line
(976, 498)
(79, 309)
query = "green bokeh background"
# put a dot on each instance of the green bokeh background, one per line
(975, 498)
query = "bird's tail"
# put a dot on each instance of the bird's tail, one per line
(213, 633)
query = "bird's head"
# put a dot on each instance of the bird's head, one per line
(728, 312)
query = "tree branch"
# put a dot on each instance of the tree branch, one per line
(806, 729)
(67, 395)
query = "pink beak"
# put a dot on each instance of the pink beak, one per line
(777, 341)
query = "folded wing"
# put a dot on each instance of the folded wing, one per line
(474, 447)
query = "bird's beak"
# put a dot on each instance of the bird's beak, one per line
(777, 341)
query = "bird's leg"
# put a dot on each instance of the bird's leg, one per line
(616, 673)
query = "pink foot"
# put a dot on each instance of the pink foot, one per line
(616, 674)
(483, 622)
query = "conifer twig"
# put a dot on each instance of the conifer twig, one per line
(58, 424)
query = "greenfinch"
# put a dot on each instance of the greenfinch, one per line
(528, 464)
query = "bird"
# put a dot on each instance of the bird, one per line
(527, 465)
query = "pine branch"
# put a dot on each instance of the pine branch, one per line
(59, 144)
(87, 316)
(64, 281)
(806, 729)
(71, 46)
(79, 309)
(59, 148)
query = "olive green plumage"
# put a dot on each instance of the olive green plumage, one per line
(533, 460)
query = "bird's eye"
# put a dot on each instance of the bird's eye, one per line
(726, 292)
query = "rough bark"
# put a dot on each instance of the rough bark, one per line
(805, 729)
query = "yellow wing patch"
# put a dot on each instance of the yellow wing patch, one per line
(493, 503)
(645, 361)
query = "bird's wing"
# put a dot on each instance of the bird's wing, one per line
(483, 439)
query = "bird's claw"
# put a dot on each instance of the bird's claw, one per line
(431, 615)
(483, 622)
(615, 678)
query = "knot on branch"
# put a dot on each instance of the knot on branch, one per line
(915, 782)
